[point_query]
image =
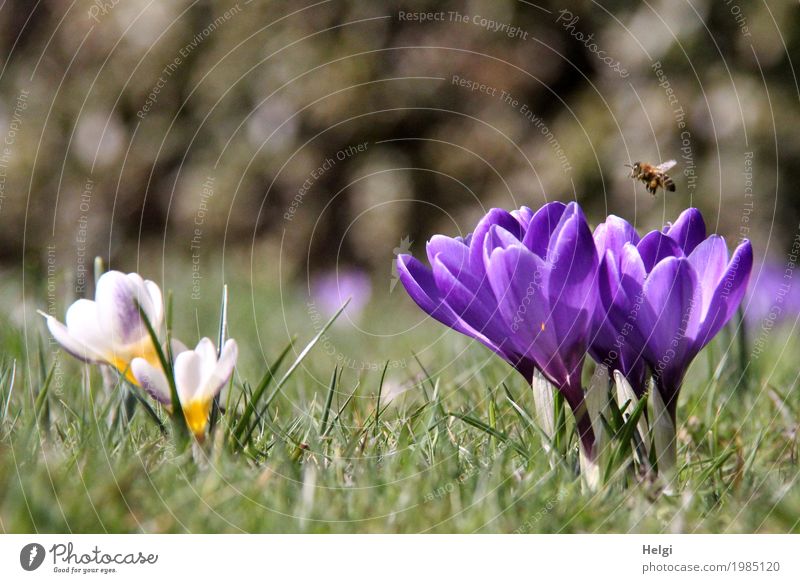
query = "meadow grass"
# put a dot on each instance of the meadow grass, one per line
(441, 441)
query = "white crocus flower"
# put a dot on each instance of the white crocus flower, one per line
(110, 329)
(199, 377)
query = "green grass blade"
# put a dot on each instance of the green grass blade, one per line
(252, 402)
(221, 334)
(166, 364)
(10, 388)
(149, 410)
(328, 401)
(341, 410)
(380, 393)
(477, 424)
(41, 399)
(298, 361)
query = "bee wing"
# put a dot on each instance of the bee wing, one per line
(664, 166)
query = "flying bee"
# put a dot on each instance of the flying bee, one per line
(653, 176)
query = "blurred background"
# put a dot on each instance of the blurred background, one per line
(288, 143)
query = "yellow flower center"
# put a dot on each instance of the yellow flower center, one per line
(122, 361)
(196, 414)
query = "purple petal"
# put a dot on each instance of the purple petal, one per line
(604, 328)
(615, 343)
(689, 230)
(656, 246)
(421, 286)
(632, 272)
(574, 260)
(453, 253)
(116, 297)
(621, 293)
(669, 317)
(541, 227)
(613, 234)
(728, 294)
(493, 217)
(573, 282)
(710, 261)
(608, 282)
(519, 279)
(569, 212)
(524, 216)
(497, 238)
(473, 303)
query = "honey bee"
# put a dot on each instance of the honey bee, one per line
(653, 176)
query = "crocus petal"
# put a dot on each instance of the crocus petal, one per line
(213, 373)
(223, 368)
(609, 285)
(632, 271)
(421, 286)
(473, 302)
(453, 253)
(519, 280)
(688, 231)
(72, 345)
(572, 280)
(669, 317)
(493, 217)
(177, 347)
(727, 295)
(616, 343)
(609, 290)
(541, 227)
(188, 379)
(574, 261)
(199, 377)
(208, 357)
(569, 212)
(656, 246)
(710, 261)
(524, 216)
(497, 237)
(155, 311)
(613, 234)
(116, 299)
(188, 375)
(152, 379)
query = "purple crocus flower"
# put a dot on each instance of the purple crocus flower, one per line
(773, 296)
(611, 347)
(523, 284)
(332, 289)
(674, 290)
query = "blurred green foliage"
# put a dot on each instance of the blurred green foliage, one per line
(138, 126)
